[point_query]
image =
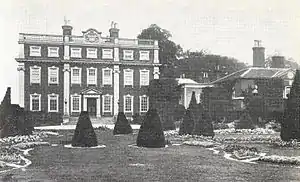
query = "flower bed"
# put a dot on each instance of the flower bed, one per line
(283, 144)
(257, 131)
(12, 149)
(241, 152)
(248, 139)
(281, 159)
(205, 144)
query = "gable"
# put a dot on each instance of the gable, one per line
(91, 91)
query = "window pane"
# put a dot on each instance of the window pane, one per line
(53, 103)
(107, 77)
(35, 75)
(144, 104)
(128, 103)
(107, 103)
(53, 75)
(75, 103)
(35, 103)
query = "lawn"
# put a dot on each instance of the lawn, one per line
(119, 162)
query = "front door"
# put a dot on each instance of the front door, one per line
(91, 106)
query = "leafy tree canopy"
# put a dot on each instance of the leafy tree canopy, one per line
(168, 50)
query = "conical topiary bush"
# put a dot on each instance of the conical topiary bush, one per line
(151, 133)
(290, 126)
(245, 121)
(84, 135)
(122, 125)
(187, 125)
(203, 126)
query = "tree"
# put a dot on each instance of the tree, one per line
(164, 96)
(194, 64)
(168, 50)
(290, 127)
(84, 135)
(187, 125)
(122, 125)
(151, 134)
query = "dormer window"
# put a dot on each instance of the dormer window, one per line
(76, 52)
(128, 54)
(91, 52)
(35, 51)
(53, 51)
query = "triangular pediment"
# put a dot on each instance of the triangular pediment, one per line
(91, 91)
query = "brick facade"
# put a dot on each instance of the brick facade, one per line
(65, 62)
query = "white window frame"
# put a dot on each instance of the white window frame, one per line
(77, 53)
(111, 102)
(106, 81)
(144, 55)
(76, 96)
(142, 82)
(35, 51)
(39, 97)
(107, 56)
(141, 97)
(88, 81)
(55, 52)
(128, 82)
(72, 77)
(91, 52)
(205, 75)
(285, 91)
(131, 97)
(37, 80)
(50, 96)
(56, 69)
(128, 53)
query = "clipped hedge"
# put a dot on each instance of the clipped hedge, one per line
(84, 135)
(122, 125)
(151, 132)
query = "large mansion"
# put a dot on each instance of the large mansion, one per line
(102, 75)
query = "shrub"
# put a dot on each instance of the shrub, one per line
(290, 127)
(84, 135)
(179, 112)
(151, 132)
(187, 124)
(122, 125)
(245, 121)
(203, 124)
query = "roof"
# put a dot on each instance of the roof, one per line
(185, 81)
(255, 73)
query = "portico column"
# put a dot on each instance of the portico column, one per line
(21, 70)
(98, 113)
(116, 89)
(66, 71)
(84, 103)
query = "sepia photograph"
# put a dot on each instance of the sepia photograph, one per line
(161, 90)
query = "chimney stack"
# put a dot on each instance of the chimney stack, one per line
(277, 62)
(114, 31)
(258, 54)
(67, 29)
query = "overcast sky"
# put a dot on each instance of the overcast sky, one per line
(222, 27)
